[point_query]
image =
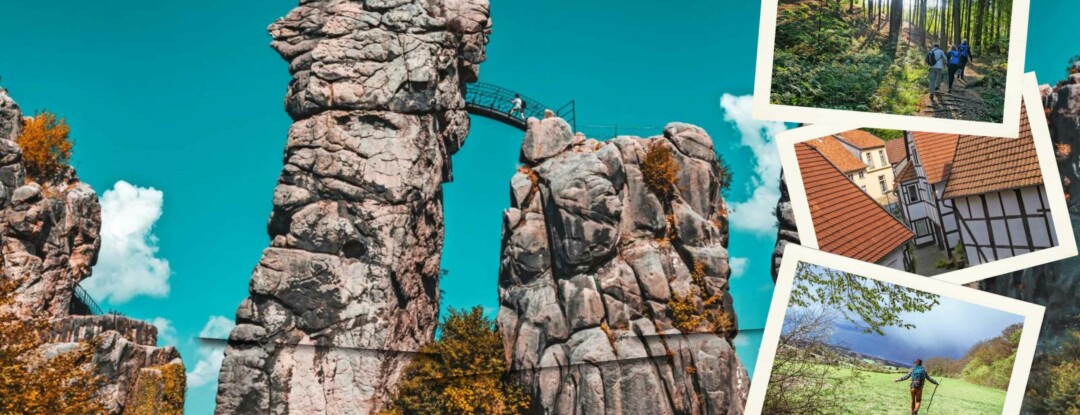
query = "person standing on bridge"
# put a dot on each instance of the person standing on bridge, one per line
(918, 376)
(518, 106)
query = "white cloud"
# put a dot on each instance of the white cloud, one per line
(210, 353)
(165, 330)
(738, 266)
(755, 215)
(128, 265)
(741, 341)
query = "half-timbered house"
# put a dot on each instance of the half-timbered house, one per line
(1000, 202)
(922, 182)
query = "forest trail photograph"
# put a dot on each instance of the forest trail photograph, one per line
(857, 345)
(930, 58)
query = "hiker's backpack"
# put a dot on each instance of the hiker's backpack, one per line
(523, 104)
(965, 51)
(918, 375)
(931, 58)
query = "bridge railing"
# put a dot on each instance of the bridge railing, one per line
(83, 297)
(494, 102)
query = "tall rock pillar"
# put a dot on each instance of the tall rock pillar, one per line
(350, 283)
(614, 296)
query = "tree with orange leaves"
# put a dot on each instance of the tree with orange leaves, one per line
(36, 381)
(46, 146)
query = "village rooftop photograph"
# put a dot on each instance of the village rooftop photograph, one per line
(932, 204)
(847, 337)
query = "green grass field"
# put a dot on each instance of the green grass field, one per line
(876, 393)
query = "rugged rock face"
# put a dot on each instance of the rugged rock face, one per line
(1055, 285)
(50, 240)
(350, 283)
(786, 233)
(595, 267)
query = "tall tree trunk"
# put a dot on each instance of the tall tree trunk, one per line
(1003, 28)
(896, 23)
(967, 19)
(922, 23)
(956, 22)
(980, 24)
(941, 29)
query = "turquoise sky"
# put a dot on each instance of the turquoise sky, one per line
(186, 98)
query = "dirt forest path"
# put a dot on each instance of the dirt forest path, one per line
(964, 103)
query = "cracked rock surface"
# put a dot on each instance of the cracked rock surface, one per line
(591, 261)
(349, 285)
(1055, 285)
(786, 232)
(50, 238)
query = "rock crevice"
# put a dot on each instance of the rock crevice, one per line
(604, 284)
(50, 238)
(349, 286)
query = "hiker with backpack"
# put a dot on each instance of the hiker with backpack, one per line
(518, 107)
(935, 59)
(954, 65)
(965, 56)
(918, 376)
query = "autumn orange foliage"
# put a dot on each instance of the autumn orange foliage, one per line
(33, 382)
(46, 144)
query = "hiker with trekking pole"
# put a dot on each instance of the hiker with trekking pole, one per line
(918, 376)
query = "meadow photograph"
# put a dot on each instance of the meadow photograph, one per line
(855, 338)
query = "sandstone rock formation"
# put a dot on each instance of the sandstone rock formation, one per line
(1055, 285)
(49, 233)
(350, 283)
(786, 232)
(596, 269)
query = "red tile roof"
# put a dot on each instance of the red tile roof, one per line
(936, 153)
(896, 150)
(990, 164)
(907, 174)
(861, 139)
(847, 221)
(837, 154)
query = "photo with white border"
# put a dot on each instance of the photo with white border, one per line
(794, 255)
(1050, 192)
(765, 109)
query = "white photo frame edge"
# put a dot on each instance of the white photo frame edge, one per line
(764, 109)
(1040, 132)
(793, 254)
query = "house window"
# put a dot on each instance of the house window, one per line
(881, 153)
(870, 160)
(861, 175)
(921, 228)
(850, 177)
(863, 187)
(912, 193)
(881, 181)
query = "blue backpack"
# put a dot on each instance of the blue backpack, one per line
(918, 373)
(965, 50)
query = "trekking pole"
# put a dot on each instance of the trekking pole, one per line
(931, 400)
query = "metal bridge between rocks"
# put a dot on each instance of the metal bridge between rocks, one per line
(493, 102)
